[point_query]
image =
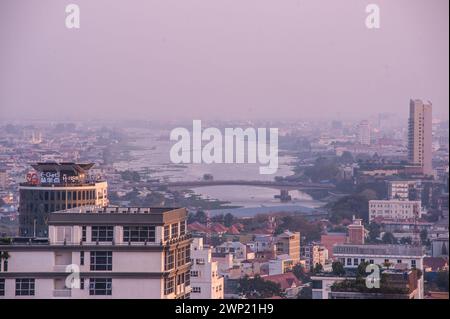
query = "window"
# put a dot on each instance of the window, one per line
(180, 279)
(371, 261)
(102, 233)
(100, 287)
(349, 261)
(355, 262)
(82, 283)
(5, 265)
(83, 233)
(64, 233)
(196, 290)
(182, 228)
(181, 257)
(101, 260)
(166, 232)
(200, 261)
(139, 233)
(399, 261)
(187, 279)
(24, 287)
(194, 273)
(81, 258)
(2, 287)
(169, 285)
(413, 263)
(174, 230)
(188, 255)
(169, 260)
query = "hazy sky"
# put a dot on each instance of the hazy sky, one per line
(248, 59)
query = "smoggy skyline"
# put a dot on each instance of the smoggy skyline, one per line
(202, 59)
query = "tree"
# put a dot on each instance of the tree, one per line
(361, 271)
(199, 216)
(258, 287)
(338, 268)
(423, 236)
(318, 268)
(374, 232)
(299, 272)
(228, 220)
(347, 206)
(406, 240)
(388, 238)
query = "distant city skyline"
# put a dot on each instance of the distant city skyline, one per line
(206, 60)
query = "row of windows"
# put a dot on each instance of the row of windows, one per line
(48, 208)
(174, 230)
(183, 255)
(180, 279)
(130, 233)
(36, 195)
(139, 233)
(27, 286)
(357, 261)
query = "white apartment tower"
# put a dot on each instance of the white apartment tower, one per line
(420, 135)
(205, 280)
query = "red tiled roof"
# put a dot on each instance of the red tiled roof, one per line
(233, 230)
(286, 280)
(196, 226)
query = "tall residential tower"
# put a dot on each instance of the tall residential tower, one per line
(420, 135)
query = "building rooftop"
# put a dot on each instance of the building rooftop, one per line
(117, 215)
(384, 250)
(64, 166)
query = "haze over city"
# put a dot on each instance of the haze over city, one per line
(257, 59)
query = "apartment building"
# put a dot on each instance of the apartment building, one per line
(313, 254)
(102, 252)
(395, 209)
(404, 190)
(289, 243)
(411, 257)
(206, 283)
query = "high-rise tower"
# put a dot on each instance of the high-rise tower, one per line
(420, 135)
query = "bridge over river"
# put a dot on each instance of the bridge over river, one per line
(269, 184)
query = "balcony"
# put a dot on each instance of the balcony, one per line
(62, 293)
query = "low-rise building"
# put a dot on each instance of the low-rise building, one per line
(394, 209)
(289, 243)
(351, 256)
